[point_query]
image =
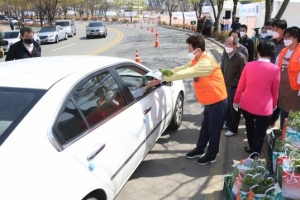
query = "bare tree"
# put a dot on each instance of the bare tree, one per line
(282, 9)
(105, 6)
(171, 6)
(184, 5)
(269, 9)
(220, 4)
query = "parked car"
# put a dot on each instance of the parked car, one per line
(52, 34)
(14, 36)
(11, 19)
(68, 25)
(96, 29)
(72, 125)
(28, 21)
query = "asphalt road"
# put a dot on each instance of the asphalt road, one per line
(165, 173)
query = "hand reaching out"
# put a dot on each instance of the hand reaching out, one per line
(152, 84)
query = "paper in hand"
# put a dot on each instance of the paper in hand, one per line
(156, 74)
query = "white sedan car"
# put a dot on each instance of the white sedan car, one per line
(71, 128)
(52, 34)
(14, 36)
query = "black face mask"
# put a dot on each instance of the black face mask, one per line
(29, 40)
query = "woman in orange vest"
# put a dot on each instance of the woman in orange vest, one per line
(289, 62)
(210, 90)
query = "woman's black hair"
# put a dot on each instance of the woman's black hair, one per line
(266, 48)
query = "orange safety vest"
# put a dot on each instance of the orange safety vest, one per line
(293, 67)
(210, 89)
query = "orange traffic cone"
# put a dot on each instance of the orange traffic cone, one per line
(137, 57)
(156, 42)
(152, 30)
(156, 35)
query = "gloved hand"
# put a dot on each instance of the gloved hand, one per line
(236, 107)
(274, 108)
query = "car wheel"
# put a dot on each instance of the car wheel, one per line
(104, 36)
(56, 39)
(178, 112)
(66, 36)
(75, 32)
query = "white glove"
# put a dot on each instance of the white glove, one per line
(236, 107)
(274, 108)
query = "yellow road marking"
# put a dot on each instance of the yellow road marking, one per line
(109, 45)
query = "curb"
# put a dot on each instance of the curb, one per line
(194, 33)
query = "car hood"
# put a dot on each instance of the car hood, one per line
(95, 28)
(46, 33)
(12, 40)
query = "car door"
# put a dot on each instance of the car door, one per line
(154, 105)
(93, 126)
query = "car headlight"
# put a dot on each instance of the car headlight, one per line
(50, 36)
(102, 29)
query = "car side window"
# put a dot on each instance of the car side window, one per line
(134, 79)
(99, 98)
(93, 102)
(70, 123)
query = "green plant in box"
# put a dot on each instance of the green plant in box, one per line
(296, 165)
(279, 146)
(294, 120)
(250, 180)
(263, 186)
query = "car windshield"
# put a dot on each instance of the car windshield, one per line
(48, 29)
(62, 23)
(15, 103)
(97, 24)
(10, 35)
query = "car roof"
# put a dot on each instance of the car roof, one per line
(43, 72)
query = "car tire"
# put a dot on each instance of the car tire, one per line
(177, 114)
(75, 32)
(66, 37)
(56, 39)
(104, 36)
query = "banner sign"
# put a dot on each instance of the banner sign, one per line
(249, 10)
(206, 9)
(111, 14)
(187, 15)
(130, 14)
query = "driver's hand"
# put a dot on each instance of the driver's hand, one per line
(152, 84)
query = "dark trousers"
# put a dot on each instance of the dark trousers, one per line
(283, 115)
(275, 115)
(256, 128)
(232, 116)
(211, 127)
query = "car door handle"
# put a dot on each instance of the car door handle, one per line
(97, 150)
(147, 110)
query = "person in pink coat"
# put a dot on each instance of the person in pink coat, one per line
(257, 94)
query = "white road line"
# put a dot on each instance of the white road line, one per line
(63, 47)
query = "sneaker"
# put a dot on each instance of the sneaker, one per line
(204, 160)
(194, 154)
(229, 133)
(225, 127)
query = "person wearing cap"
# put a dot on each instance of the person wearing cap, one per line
(27, 47)
(235, 26)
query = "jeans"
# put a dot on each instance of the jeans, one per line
(283, 115)
(211, 127)
(256, 128)
(232, 116)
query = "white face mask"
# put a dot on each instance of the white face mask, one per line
(228, 49)
(242, 34)
(275, 35)
(191, 55)
(269, 32)
(287, 42)
(263, 35)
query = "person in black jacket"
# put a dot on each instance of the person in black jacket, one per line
(27, 47)
(246, 41)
